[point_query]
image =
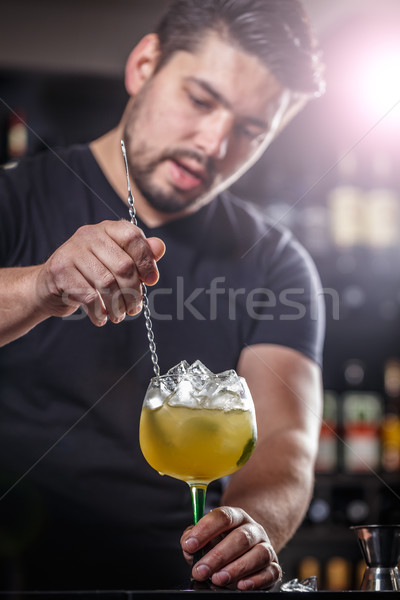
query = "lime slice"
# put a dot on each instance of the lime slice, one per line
(247, 452)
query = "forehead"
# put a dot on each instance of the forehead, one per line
(238, 76)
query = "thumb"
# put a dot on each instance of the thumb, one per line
(157, 247)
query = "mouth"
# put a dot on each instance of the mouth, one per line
(186, 174)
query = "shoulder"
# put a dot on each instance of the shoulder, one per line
(39, 203)
(46, 180)
(262, 240)
(36, 179)
(251, 222)
(48, 161)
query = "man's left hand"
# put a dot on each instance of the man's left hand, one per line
(241, 555)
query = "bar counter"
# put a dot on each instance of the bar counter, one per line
(189, 594)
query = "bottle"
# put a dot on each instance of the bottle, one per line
(346, 205)
(17, 135)
(327, 458)
(337, 574)
(359, 574)
(362, 417)
(390, 432)
(382, 205)
(309, 566)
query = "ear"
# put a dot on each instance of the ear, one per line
(141, 63)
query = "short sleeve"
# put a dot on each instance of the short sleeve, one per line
(12, 216)
(290, 309)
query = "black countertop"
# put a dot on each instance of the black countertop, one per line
(184, 595)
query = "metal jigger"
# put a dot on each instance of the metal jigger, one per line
(380, 547)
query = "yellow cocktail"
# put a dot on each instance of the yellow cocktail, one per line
(197, 426)
(196, 444)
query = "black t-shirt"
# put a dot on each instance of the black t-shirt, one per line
(86, 509)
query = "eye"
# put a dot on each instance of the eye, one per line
(251, 133)
(198, 101)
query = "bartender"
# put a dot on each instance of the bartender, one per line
(208, 91)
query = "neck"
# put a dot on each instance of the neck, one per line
(108, 154)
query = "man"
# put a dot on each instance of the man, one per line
(208, 92)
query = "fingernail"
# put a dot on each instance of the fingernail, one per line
(151, 278)
(221, 578)
(247, 584)
(135, 311)
(191, 544)
(203, 571)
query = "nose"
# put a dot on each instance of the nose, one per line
(213, 136)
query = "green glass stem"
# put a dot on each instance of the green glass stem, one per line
(198, 492)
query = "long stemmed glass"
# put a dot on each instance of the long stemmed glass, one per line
(197, 427)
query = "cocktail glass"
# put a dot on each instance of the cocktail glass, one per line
(197, 427)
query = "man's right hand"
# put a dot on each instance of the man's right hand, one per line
(101, 268)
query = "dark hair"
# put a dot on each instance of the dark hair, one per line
(277, 31)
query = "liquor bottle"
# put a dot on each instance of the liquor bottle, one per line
(391, 422)
(17, 135)
(327, 458)
(362, 417)
(309, 566)
(346, 205)
(382, 215)
(359, 571)
(338, 574)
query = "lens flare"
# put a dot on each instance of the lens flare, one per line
(380, 83)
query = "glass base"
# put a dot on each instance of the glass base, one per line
(193, 585)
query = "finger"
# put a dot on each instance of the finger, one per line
(132, 239)
(117, 280)
(237, 544)
(157, 247)
(215, 523)
(259, 560)
(96, 310)
(95, 272)
(190, 557)
(125, 294)
(263, 580)
(83, 294)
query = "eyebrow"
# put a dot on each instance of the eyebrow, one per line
(222, 100)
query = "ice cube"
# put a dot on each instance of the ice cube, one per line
(199, 374)
(211, 388)
(179, 369)
(195, 386)
(168, 385)
(226, 400)
(227, 377)
(230, 381)
(183, 395)
(245, 394)
(170, 380)
(154, 398)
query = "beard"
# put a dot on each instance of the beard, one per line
(171, 201)
(142, 166)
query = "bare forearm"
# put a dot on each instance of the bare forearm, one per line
(101, 268)
(19, 310)
(276, 490)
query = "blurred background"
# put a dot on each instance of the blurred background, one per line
(333, 177)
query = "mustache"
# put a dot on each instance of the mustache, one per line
(204, 162)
